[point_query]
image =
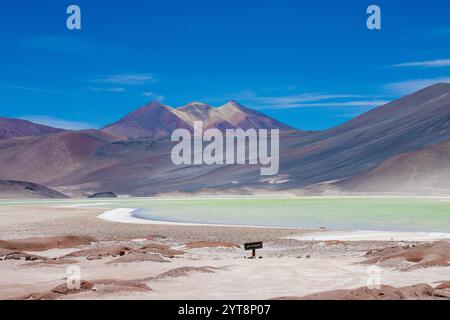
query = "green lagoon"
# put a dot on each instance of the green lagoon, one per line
(380, 214)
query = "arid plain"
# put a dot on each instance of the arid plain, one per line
(45, 246)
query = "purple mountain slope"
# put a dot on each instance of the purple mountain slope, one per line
(154, 120)
(12, 128)
(384, 149)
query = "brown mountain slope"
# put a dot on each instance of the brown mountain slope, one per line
(423, 171)
(43, 158)
(154, 120)
(89, 162)
(404, 125)
(143, 167)
(207, 114)
(27, 190)
(244, 118)
(11, 128)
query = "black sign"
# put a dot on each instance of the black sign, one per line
(253, 245)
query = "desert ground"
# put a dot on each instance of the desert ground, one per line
(43, 248)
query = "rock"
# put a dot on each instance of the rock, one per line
(97, 286)
(46, 243)
(184, 271)
(102, 195)
(416, 292)
(444, 285)
(64, 290)
(140, 257)
(421, 256)
(57, 292)
(27, 190)
(100, 252)
(161, 249)
(155, 237)
(334, 243)
(52, 262)
(6, 254)
(112, 286)
(211, 244)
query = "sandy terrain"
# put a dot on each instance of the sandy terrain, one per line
(157, 261)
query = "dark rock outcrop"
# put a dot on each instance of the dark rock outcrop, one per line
(102, 195)
(27, 190)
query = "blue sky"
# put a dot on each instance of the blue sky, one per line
(311, 64)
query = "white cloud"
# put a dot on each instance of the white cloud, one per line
(309, 100)
(127, 79)
(59, 123)
(153, 95)
(116, 90)
(426, 64)
(410, 86)
(37, 90)
(331, 104)
(307, 97)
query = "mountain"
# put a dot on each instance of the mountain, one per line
(359, 145)
(321, 161)
(424, 171)
(11, 128)
(205, 113)
(244, 118)
(153, 120)
(399, 147)
(42, 159)
(156, 120)
(229, 116)
(27, 190)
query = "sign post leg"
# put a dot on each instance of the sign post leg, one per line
(253, 246)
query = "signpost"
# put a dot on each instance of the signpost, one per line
(253, 246)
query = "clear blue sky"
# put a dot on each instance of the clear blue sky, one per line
(311, 64)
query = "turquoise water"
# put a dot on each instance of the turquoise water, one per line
(380, 214)
(427, 215)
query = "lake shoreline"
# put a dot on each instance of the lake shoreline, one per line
(127, 216)
(157, 261)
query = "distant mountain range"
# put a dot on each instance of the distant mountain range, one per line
(402, 147)
(156, 120)
(11, 128)
(26, 190)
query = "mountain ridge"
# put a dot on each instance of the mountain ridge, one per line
(156, 120)
(12, 128)
(345, 159)
(27, 190)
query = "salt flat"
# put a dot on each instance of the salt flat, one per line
(296, 261)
